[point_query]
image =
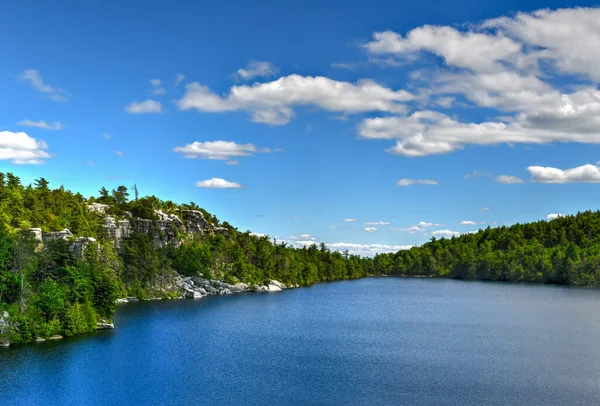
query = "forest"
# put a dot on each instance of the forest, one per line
(50, 289)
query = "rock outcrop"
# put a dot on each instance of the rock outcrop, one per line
(196, 287)
(4, 342)
(104, 325)
(167, 229)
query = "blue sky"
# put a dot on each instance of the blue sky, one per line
(407, 118)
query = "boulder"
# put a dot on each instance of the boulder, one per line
(40, 340)
(4, 343)
(104, 325)
(278, 284)
(238, 288)
(56, 337)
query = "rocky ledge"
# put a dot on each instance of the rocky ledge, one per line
(193, 287)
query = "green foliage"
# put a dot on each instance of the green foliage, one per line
(51, 289)
(563, 251)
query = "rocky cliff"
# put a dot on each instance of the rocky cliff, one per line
(167, 229)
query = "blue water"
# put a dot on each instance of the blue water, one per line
(379, 341)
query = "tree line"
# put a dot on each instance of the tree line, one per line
(50, 289)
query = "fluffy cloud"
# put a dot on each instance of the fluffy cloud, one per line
(156, 87)
(33, 77)
(377, 223)
(408, 182)
(410, 230)
(471, 222)
(576, 118)
(307, 236)
(553, 216)
(366, 249)
(178, 79)
(470, 50)
(551, 34)
(350, 220)
(41, 124)
(223, 150)
(256, 69)
(272, 102)
(581, 174)
(509, 180)
(218, 183)
(427, 224)
(232, 162)
(444, 233)
(371, 229)
(20, 148)
(506, 64)
(146, 107)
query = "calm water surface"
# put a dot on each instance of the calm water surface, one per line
(379, 341)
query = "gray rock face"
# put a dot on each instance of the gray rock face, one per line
(98, 208)
(57, 235)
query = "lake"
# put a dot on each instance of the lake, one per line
(375, 341)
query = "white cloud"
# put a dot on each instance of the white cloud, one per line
(223, 150)
(410, 230)
(507, 64)
(377, 223)
(156, 87)
(469, 50)
(408, 182)
(106, 136)
(119, 153)
(232, 162)
(444, 233)
(178, 79)
(350, 220)
(567, 37)
(272, 102)
(581, 174)
(366, 249)
(35, 81)
(345, 65)
(218, 183)
(370, 229)
(307, 237)
(554, 216)
(485, 209)
(256, 69)
(279, 150)
(20, 148)
(509, 180)
(42, 124)
(427, 224)
(471, 222)
(146, 107)
(476, 174)
(259, 235)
